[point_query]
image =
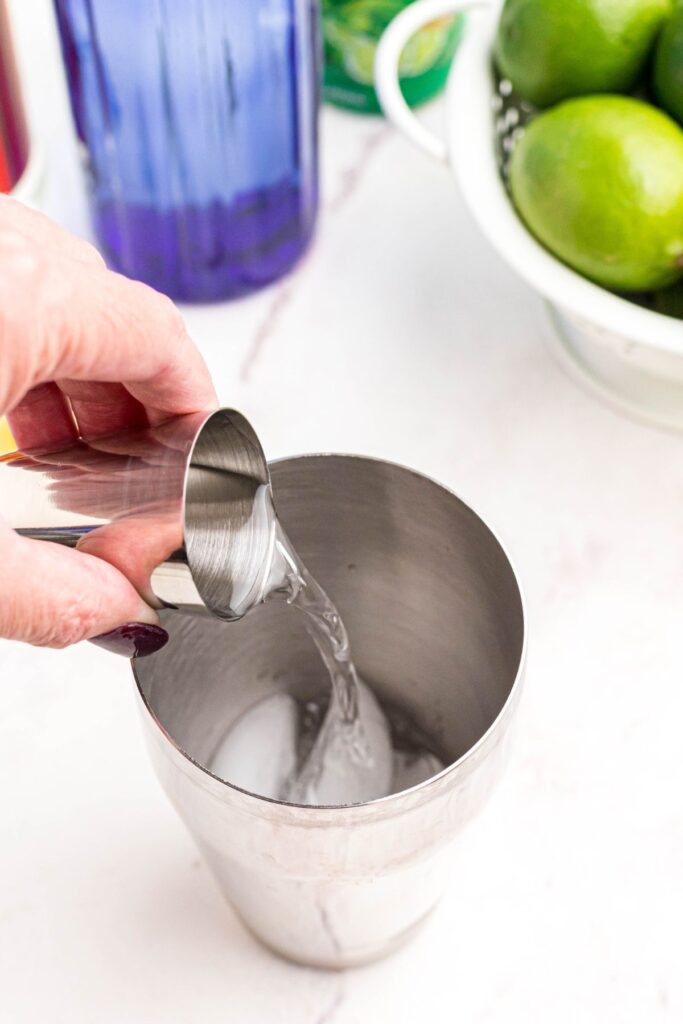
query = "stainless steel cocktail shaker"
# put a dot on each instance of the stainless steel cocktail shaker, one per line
(436, 619)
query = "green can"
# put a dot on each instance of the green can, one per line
(351, 31)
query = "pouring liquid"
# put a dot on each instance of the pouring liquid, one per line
(338, 750)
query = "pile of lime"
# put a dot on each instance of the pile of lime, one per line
(597, 174)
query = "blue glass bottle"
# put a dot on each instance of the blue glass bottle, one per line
(199, 120)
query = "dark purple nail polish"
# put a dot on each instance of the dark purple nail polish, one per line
(134, 640)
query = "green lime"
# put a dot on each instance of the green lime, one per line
(668, 65)
(599, 181)
(554, 49)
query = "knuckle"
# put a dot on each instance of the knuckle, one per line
(171, 319)
(38, 624)
(154, 311)
(21, 261)
(91, 254)
(77, 621)
(162, 311)
(19, 326)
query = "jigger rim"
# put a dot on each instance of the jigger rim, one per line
(254, 465)
(451, 768)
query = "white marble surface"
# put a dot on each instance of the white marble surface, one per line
(401, 336)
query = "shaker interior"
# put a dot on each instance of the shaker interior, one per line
(429, 598)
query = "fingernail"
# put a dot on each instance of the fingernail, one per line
(134, 640)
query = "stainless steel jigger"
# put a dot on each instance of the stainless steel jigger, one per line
(188, 501)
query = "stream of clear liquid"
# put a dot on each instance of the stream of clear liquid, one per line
(334, 751)
(325, 626)
(342, 736)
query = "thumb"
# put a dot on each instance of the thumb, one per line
(53, 596)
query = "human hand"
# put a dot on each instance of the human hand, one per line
(83, 352)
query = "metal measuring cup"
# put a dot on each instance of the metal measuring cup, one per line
(183, 508)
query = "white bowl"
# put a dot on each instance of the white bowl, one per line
(630, 356)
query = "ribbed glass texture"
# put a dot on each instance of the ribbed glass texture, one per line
(199, 121)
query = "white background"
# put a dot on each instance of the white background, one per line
(401, 336)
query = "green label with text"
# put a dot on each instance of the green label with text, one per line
(352, 29)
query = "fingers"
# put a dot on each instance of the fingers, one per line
(124, 359)
(136, 546)
(121, 330)
(52, 416)
(46, 233)
(64, 317)
(102, 409)
(43, 421)
(53, 596)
